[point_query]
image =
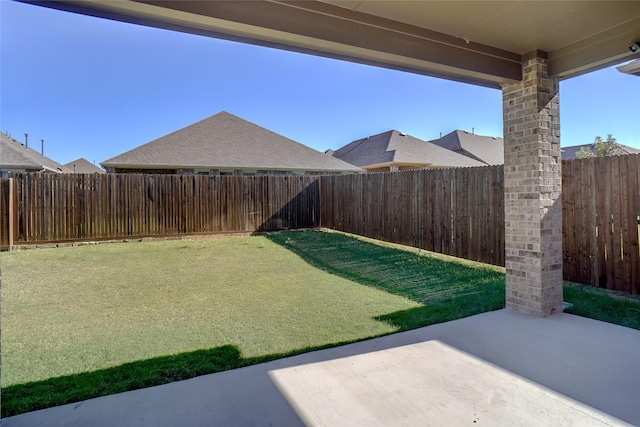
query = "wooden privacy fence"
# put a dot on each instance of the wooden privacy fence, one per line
(69, 207)
(5, 211)
(601, 221)
(458, 212)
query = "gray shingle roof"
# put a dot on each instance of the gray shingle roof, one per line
(83, 165)
(397, 147)
(225, 141)
(487, 149)
(15, 155)
(569, 153)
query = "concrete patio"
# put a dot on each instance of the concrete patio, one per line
(497, 368)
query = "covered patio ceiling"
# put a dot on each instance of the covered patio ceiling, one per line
(479, 42)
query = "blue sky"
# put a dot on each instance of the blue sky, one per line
(95, 88)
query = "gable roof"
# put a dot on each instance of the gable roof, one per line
(83, 165)
(225, 141)
(486, 149)
(569, 153)
(16, 155)
(397, 147)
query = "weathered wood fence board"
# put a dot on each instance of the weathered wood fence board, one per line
(601, 222)
(459, 212)
(5, 228)
(66, 207)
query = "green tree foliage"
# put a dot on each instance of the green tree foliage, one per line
(584, 153)
(601, 148)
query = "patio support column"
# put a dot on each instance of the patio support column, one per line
(533, 186)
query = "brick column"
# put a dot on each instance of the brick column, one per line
(533, 186)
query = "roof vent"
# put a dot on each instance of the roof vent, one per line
(493, 137)
(402, 134)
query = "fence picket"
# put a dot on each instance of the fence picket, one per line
(459, 212)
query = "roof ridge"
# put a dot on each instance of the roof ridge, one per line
(228, 141)
(363, 140)
(28, 153)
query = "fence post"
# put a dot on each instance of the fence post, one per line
(11, 214)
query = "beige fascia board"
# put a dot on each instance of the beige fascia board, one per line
(378, 42)
(399, 164)
(162, 166)
(14, 166)
(377, 165)
(599, 51)
(416, 165)
(146, 166)
(299, 170)
(632, 68)
(45, 168)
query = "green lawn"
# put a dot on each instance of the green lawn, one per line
(601, 304)
(81, 322)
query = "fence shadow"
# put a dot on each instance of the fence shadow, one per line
(21, 398)
(447, 290)
(52, 208)
(301, 210)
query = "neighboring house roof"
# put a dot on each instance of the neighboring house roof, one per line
(83, 165)
(225, 141)
(399, 148)
(486, 149)
(569, 153)
(15, 155)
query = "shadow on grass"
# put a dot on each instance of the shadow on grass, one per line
(448, 290)
(440, 311)
(21, 398)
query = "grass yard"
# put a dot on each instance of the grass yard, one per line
(82, 322)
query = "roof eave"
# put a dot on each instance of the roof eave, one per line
(632, 68)
(230, 167)
(12, 166)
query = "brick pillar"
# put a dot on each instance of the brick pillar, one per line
(533, 186)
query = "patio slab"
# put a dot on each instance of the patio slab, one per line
(498, 368)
